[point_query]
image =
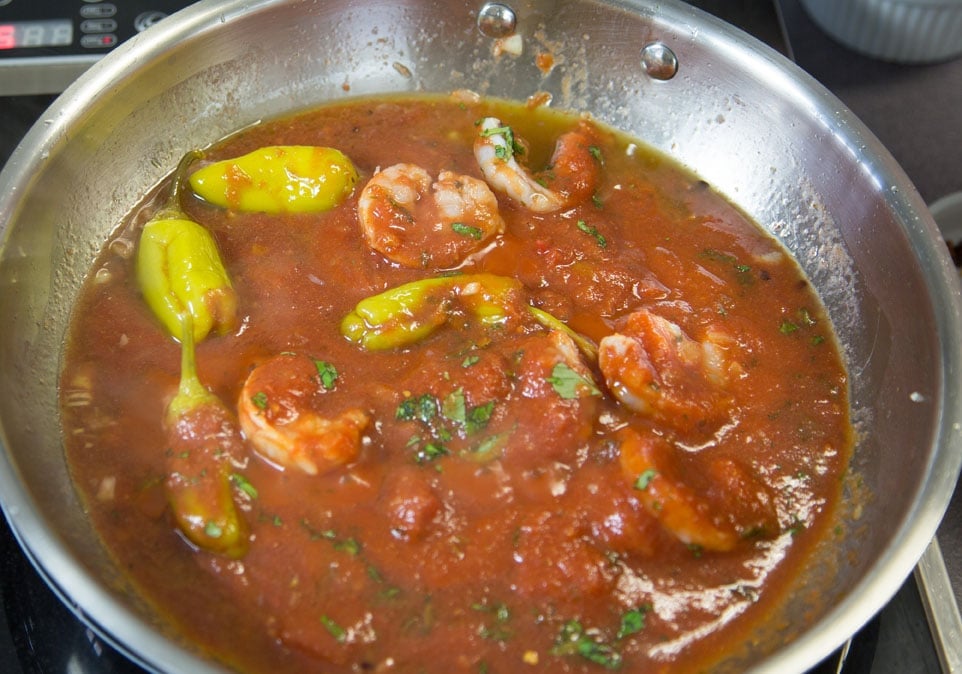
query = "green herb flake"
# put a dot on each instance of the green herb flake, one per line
(467, 230)
(787, 327)
(510, 147)
(389, 592)
(348, 545)
(318, 534)
(243, 484)
(488, 449)
(574, 640)
(596, 153)
(743, 270)
(470, 360)
(499, 630)
(430, 452)
(454, 408)
(260, 400)
(641, 484)
(335, 630)
(213, 529)
(593, 232)
(478, 417)
(632, 621)
(417, 408)
(327, 373)
(570, 384)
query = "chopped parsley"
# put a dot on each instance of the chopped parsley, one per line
(467, 230)
(454, 407)
(213, 529)
(335, 630)
(499, 630)
(348, 545)
(442, 421)
(633, 621)
(260, 400)
(430, 452)
(593, 232)
(570, 384)
(243, 484)
(641, 484)
(470, 360)
(510, 148)
(417, 408)
(787, 327)
(327, 373)
(742, 270)
(488, 449)
(573, 639)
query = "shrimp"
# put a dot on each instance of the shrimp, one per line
(418, 224)
(556, 387)
(280, 414)
(712, 509)
(572, 176)
(657, 370)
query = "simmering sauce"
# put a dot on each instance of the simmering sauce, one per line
(614, 446)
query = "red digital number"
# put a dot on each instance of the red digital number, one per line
(8, 37)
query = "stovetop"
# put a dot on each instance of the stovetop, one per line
(39, 635)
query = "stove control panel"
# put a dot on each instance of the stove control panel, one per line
(45, 45)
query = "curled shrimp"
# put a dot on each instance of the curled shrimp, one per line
(711, 507)
(280, 414)
(657, 370)
(420, 223)
(571, 177)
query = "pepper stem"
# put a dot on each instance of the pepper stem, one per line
(172, 209)
(191, 393)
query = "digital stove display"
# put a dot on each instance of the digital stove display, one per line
(26, 34)
(45, 45)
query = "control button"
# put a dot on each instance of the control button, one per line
(98, 26)
(102, 41)
(100, 11)
(148, 19)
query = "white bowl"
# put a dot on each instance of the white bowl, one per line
(904, 31)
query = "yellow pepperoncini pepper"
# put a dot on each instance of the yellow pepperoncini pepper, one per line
(202, 439)
(278, 179)
(180, 271)
(408, 313)
(405, 314)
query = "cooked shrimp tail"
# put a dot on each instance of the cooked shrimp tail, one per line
(726, 505)
(282, 413)
(655, 369)
(418, 222)
(571, 178)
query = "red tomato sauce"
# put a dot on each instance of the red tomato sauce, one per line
(506, 510)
